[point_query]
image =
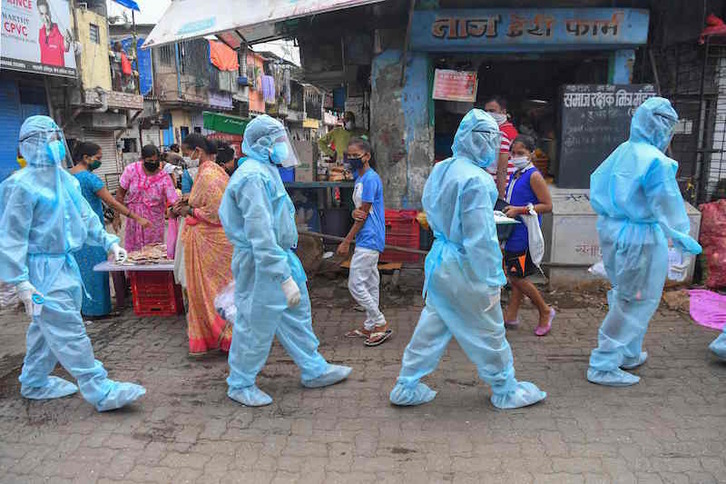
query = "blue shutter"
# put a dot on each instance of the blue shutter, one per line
(10, 122)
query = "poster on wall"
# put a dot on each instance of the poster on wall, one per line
(36, 37)
(458, 86)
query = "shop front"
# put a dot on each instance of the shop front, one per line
(526, 58)
(565, 76)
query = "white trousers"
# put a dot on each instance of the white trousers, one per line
(364, 284)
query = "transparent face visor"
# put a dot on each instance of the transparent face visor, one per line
(46, 148)
(667, 125)
(490, 139)
(282, 152)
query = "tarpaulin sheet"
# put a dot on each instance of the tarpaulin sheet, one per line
(188, 19)
(222, 56)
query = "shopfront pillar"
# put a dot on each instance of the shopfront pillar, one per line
(621, 66)
(401, 126)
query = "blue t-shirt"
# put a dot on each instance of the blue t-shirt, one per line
(369, 189)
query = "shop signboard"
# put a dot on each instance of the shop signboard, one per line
(595, 119)
(124, 100)
(452, 85)
(508, 30)
(37, 37)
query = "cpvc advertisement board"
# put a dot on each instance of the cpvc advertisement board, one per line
(36, 37)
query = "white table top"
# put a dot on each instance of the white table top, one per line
(106, 266)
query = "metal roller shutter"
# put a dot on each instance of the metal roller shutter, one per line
(111, 168)
(10, 121)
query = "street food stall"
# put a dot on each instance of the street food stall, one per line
(153, 289)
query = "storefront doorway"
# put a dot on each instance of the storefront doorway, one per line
(531, 84)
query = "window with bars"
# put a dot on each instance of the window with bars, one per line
(94, 33)
(166, 55)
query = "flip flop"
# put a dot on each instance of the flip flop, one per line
(514, 323)
(378, 337)
(358, 333)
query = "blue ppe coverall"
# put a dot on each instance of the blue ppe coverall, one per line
(718, 347)
(44, 218)
(464, 274)
(639, 206)
(259, 220)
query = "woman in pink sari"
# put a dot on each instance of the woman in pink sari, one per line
(148, 191)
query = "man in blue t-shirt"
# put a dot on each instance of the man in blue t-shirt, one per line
(369, 232)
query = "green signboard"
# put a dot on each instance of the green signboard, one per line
(223, 123)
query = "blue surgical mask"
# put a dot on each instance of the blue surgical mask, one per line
(56, 151)
(280, 153)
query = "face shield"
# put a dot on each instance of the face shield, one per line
(665, 127)
(266, 139)
(43, 144)
(486, 146)
(282, 152)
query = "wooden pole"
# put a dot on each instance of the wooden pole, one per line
(341, 239)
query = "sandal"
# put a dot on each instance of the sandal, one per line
(379, 335)
(358, 333)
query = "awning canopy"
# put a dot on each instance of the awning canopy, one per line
(237, 21)
(224, 123)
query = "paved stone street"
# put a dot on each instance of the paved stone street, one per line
(669, 428)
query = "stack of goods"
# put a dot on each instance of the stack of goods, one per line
(150, 255)
(713, 240)
(337, 174)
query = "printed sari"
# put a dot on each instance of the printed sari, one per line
(207, 261)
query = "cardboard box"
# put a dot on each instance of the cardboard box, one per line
(306, 170)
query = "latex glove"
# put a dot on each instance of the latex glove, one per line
(292, 292)
(26, 291)
(119, 254)
(679, 271)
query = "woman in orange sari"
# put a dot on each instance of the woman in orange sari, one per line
(207, 252)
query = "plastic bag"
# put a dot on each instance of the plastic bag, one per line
(598, 270)
(224, 303)
(536, 239)
(713, 240)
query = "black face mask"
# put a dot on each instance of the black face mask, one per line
(151, 165)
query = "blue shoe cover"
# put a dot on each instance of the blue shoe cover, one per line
(55, 388)
(408, 396)
(718, 347)
(121, 394)
(633, 363)
(614, 378)
(250, 396)
(523, 395)
(334, 374)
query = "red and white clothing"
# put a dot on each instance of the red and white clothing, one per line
(52, 47)
(508, 137)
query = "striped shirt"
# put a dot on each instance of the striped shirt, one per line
(508, 137)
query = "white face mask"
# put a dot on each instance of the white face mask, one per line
(349, 125)
(499, 118)
(520, 162)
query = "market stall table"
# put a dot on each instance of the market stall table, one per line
(153, 289)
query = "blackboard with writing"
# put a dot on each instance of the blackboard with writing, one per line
(594, 120)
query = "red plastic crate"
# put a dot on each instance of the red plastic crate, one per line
(156, 294)
(402, 229)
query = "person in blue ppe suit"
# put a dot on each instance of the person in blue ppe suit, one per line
(639, 206)
(270, 283)
(464, 274)
(44, 218)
